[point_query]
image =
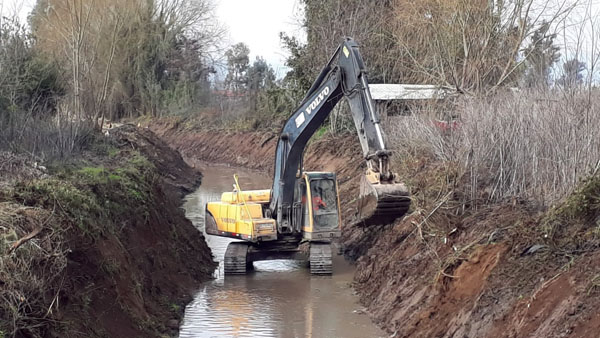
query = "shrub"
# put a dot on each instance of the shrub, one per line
(526, 144)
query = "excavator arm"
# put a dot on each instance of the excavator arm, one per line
(382, 199)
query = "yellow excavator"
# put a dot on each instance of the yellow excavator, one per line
(304, 207)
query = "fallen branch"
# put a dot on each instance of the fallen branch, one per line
(444, 200)
(267, 140)
(24, 240)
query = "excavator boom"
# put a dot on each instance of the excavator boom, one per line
(305, 206)
(382, 199)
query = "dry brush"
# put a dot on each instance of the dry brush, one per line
(533, 145)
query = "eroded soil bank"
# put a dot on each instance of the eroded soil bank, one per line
(448, 269)
(99, 247)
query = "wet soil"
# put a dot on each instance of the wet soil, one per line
(448, 269)
(95, 272)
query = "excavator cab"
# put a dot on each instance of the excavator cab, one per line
(317, 205)
(304, 206)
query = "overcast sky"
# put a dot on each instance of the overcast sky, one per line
(259, 22)
(254, 22)
(23, 7)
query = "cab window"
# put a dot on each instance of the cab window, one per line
(324, 202)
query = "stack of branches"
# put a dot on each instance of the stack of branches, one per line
(32, 264)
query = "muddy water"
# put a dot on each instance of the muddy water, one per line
(280, 298)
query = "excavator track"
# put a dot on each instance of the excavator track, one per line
(235, 262)
(320, 259)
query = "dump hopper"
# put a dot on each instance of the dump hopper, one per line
(382, 202)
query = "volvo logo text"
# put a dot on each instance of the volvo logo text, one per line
(317, 101)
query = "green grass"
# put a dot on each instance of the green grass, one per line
(573, 225)
(114, 177)
(93, 175)
(111, 267)
(582, 203)
(92, 171)
(594, 284)
(113, 152)
(320, 133)
(175, 308)
(584, 200)
(94, 198)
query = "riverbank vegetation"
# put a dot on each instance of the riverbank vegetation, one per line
(92, 242)
(502, 239)
(78, 65)
(96, 237)
(503, 169)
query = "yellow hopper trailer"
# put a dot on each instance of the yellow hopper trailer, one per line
(304, 206)
(242, 215)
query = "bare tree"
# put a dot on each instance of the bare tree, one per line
(119, 52)
(471, 45)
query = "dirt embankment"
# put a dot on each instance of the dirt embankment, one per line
(256, 150)
(448, 269)
(99, 247)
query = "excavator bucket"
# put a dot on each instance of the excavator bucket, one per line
(382, 203)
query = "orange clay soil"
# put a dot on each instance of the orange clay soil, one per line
(448, 269)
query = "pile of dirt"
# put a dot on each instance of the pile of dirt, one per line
(100, 247)
(170, 165)
(451, 268)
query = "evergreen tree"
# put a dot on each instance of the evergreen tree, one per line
(238, 61)
(260, 75)
(541, 55)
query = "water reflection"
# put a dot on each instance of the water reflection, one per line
(279, 299)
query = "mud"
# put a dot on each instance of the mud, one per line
(448, 269)
(121, 267)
